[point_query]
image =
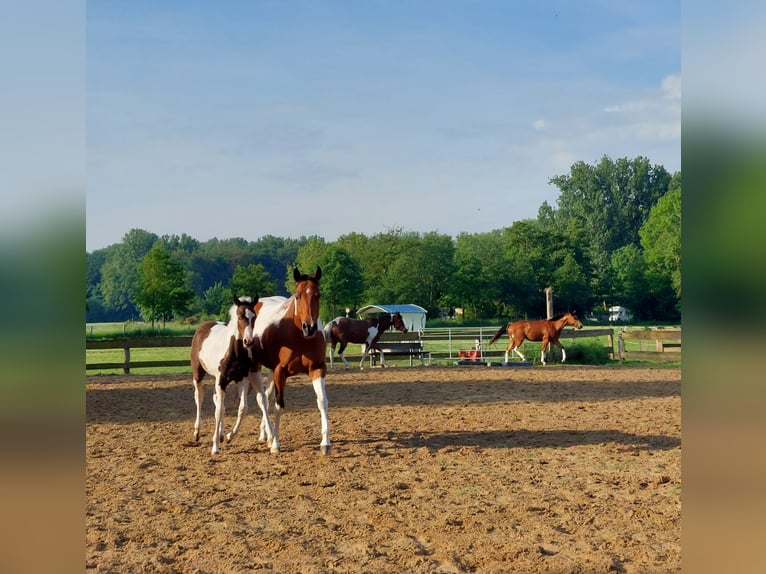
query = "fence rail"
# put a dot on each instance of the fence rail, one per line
(129, 343)
(445, 344)
(667, 344)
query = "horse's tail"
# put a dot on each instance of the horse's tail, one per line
(328, 332)
(499, 334)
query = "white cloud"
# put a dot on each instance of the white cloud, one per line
(671, 87)
(539, 125)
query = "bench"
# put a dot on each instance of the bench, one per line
(403, 348)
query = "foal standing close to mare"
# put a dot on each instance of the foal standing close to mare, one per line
(546, 330)
(225, 351)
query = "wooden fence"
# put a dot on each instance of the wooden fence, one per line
(438, 343)
(138, 343)
(667, 345)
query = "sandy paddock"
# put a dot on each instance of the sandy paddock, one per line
(433, 469)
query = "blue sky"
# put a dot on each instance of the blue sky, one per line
(293, 118)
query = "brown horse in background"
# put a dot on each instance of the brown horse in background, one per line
(546, 330)
(291, 342)
(366, 331)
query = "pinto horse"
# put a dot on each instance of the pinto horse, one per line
(292, 342)
(546, 330)
(224, 351)
(366, 331)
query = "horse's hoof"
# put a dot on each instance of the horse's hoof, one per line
(324, 449)
(274, 450)
(215, 450)
(228, 437)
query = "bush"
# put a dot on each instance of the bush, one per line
(587, 353)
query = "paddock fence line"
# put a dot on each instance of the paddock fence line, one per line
(438, 343)
(129, 343)
(666, 343)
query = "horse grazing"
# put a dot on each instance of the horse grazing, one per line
(546, 330)
(292, 342)
(224, 351)
(366, 331)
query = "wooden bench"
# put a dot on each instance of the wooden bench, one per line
(395, 344)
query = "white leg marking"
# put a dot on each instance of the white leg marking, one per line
(266, 431)
(242, 388)
(319, 389)
(198, 397)
(218, 399)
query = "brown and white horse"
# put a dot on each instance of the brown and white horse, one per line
(366, 331)
(292, 342)
(224, 351)
(546, 330)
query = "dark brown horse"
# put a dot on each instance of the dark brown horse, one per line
(366, 331)
(224, 351)
(546, 330)
(292, 343)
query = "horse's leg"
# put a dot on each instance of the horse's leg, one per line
(364, 355)
(319, 389)
(199, 396)
(267, 402)
(542, 350)
(218, 398)
(242, 388)
(266, 430)
(563, 351)
(342, 351)
(280, 378)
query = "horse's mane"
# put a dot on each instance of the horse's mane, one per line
(559, 316)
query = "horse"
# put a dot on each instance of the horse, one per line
(546, 330)
(366, 331)
(292, 342)
(224, 351)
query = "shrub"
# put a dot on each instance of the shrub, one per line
(587, 353)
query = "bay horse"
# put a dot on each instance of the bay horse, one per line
(546, 330)
(224, 351)
(366, 331)
(292, 342)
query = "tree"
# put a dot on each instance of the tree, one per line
(119, 275)
(161, 287)
(342, 283)
(216, 300)
(251, 280)
(603, 206)
(661, 238)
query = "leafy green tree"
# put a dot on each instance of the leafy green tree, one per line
(603, 206)
(119, 273)
(631, 285)
(661, 238)
(571, 288)
(342, 284)
(216, 301)
(309, 257)
(251, 280)
(161, 286)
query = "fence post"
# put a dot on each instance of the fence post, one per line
(126, 366)
(620, 345)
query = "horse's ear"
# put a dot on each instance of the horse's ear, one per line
(255, 299)
(318, 274)
(297, 275)
(235, 298)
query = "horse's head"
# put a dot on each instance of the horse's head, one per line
(307, 301)
(398, 322)
(573, 320)
(246, 319)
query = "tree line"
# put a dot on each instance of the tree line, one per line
(613, 238)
